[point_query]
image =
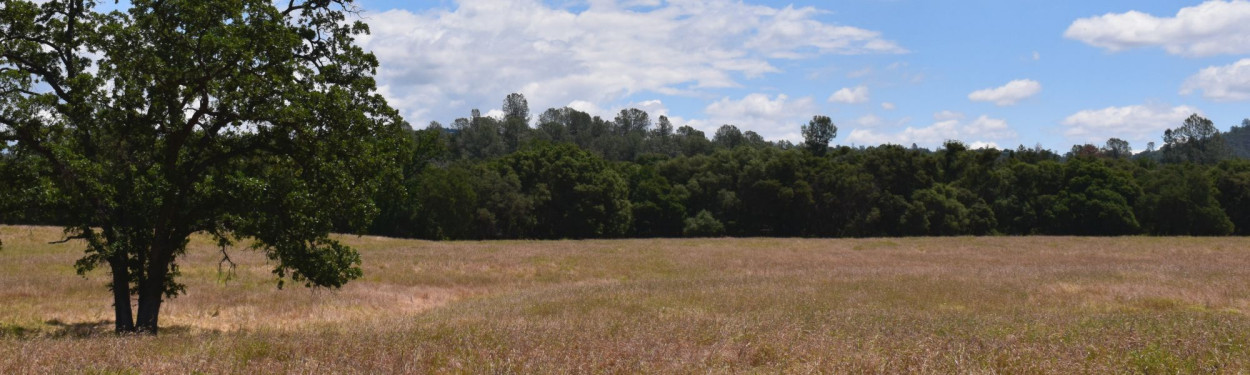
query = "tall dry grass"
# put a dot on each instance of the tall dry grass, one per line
(927, 305)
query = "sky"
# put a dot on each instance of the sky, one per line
(988, 73)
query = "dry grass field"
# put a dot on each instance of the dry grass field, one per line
(922, 305)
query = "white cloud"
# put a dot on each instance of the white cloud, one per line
(948, 115)
(654, 108)
(1211, 28)
(1137, 124)
(985, 127)
(1009, 94)
(980, 145)
(982, 131)
(888, 106)
(588, 107)
(438, 64)
(868, 121)
(848, 95)
(773, 118)
(1222, 83)
(495, 114)
(1037, 56)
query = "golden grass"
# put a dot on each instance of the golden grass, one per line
(928, 305)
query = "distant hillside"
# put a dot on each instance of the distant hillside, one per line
(1238, 139)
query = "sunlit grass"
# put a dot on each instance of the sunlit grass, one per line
(936, 305)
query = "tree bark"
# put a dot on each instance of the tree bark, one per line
(124, 319)
(152, 288)
(150, 295)
(149, 311)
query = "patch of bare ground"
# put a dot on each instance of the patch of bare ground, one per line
(925, 305)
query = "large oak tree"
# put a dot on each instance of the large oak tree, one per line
(243, 119)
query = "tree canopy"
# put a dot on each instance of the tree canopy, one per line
(234, 118)
(818, 133)
(678, 182)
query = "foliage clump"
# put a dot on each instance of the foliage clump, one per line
(703, 225)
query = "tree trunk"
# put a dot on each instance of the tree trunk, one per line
(124, 319)
(152, 288)
(150, 295)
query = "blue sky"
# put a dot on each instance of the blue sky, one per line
(984, 72)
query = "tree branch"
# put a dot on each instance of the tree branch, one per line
(71, 238)
(48, 77)
(291, 7)
(35, 40)
(225, 259)
(71, 23)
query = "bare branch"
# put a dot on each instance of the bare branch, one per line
(291, 7)
(71, 238)
(199, 113)
(225, 259)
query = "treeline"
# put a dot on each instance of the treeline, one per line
(574, 175)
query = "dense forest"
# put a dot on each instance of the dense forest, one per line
(574, 175)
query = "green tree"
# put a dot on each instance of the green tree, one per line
(230, 117)
(775, 197)
(1195, 141)
(1238, 139)
(690, 141)
(945, 210)
(446, 202)
(703, 225)
(1232, 179)
(1179, 199)
(817, 134)
(479, 137)
(629, 132)
(1027, 188)
(515, 106)
(22, 198)
(1117, 148)
(662, 140)
(516, 119)
(574, 194)
(657, 205)
(1095, 200)
(400, 204)
(728, 136)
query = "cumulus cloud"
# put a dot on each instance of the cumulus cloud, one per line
(985, 127)
(438, 63)
(888, 106)
(1211, 28)
(778, 117)
(1009, 94)
(980, 145)
(1137, 123)
(654, 108)
(1222, 83)
(982, 132)
(948, 115)
(850, 95)
(868, 121)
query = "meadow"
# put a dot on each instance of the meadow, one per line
(755, 305)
